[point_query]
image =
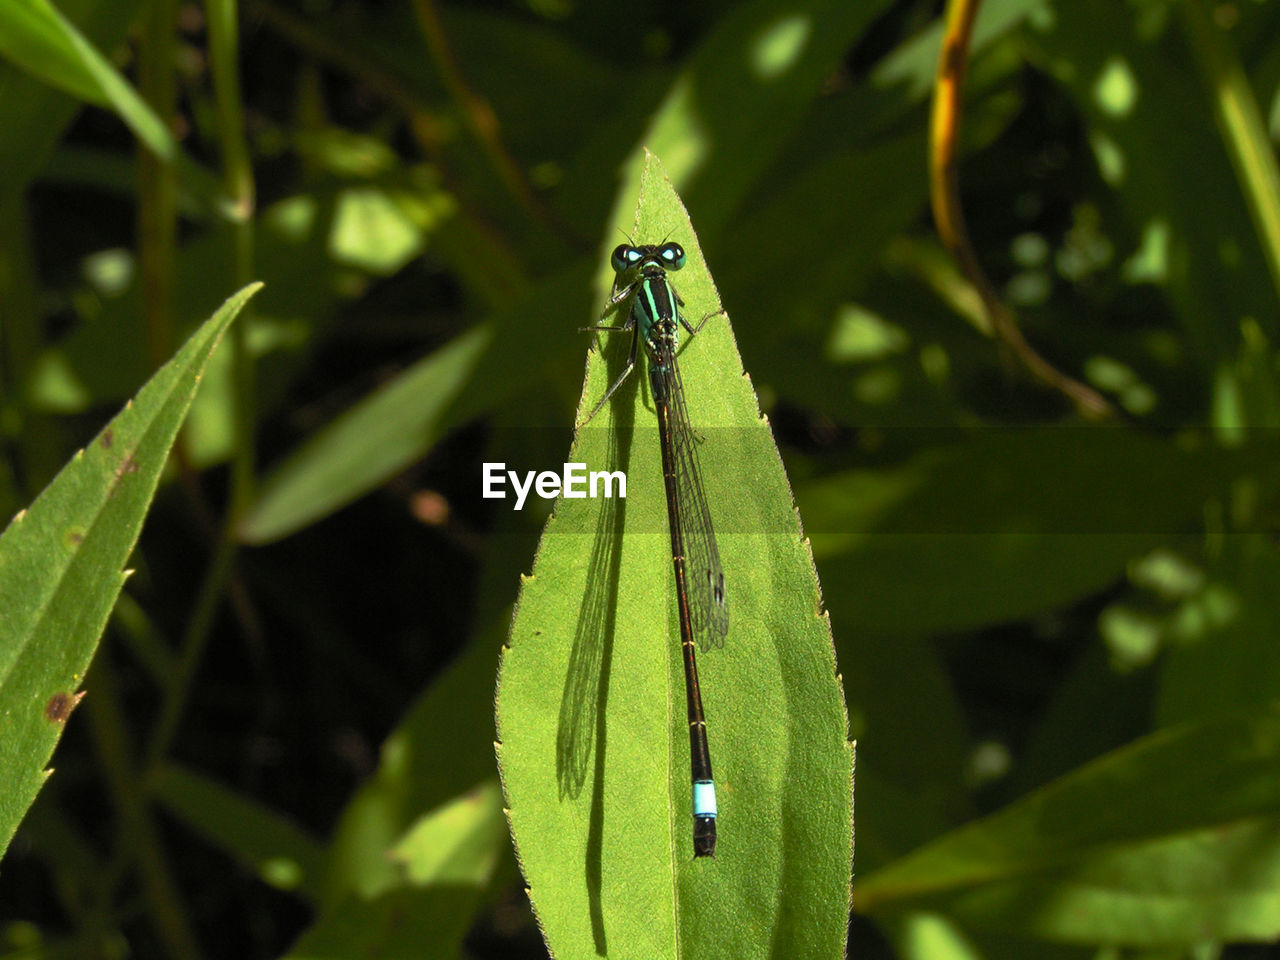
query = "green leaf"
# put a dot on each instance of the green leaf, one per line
(398, 423)
(35, 36)
(928, 936)
(1244, 132)
(1127, 850)
(1222, 653)
(277, 849)
(983, 517)
(36, 114)
(1158, 147)
(397, 886)
(290, 246)
(372, 232)
(61, 565)
(367, 444)
(594, 748)
(746, 91)
(911, 784)
(444, 864)
(457, 844)
(438, 751)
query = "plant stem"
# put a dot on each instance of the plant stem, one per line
(158, 185)
(948, 215)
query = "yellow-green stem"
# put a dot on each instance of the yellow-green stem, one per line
(239, 188)
(157, 186)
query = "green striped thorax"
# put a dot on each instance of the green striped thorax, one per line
(656, 304)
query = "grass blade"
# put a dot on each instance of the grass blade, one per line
(38, 38)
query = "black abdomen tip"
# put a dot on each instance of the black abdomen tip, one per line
(704, 836)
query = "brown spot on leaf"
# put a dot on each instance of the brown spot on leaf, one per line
(60, 706)
(75, 537)
(108, 438)
(126, 466)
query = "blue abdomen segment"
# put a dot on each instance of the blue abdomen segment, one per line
(704, 799)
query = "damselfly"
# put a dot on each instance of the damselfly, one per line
(655, 319)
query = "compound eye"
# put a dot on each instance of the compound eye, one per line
(625, 257)
(622, 258)
(672, 255)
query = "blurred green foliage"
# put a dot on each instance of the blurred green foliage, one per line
(1065, 632)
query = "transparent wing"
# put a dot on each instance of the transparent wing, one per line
(708, 607)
